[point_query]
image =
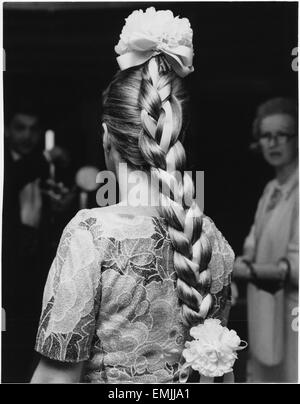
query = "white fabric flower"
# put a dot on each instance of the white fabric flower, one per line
(213, 351)
(160, 27)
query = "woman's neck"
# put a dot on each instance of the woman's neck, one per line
(136, 188)
(283, 173)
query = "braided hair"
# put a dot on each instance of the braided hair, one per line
(145, 110)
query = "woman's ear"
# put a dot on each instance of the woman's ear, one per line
(108, 149)
(106, 139)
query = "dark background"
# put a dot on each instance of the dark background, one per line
(62, 54)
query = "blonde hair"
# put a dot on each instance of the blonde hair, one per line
(134, 110)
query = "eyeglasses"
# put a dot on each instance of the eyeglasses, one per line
(279, 137)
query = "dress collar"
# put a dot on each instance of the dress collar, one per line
(289, 185)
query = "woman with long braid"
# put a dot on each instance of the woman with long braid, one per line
(130, 280)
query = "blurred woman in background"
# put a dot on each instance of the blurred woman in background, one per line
(271, 251)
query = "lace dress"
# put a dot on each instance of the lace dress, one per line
(110, 299)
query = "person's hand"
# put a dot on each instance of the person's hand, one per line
(59, 195)
(64, 203)
(59, 156)
(270, 272)
(241, 269)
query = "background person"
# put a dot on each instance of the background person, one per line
(270, 262)
(25, 244)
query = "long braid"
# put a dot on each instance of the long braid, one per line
(192, 249)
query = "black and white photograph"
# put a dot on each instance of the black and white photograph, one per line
(149, 195)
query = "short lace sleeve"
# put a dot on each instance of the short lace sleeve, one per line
(220, 266)
(71, 295)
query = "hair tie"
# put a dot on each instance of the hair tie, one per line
(150, 33)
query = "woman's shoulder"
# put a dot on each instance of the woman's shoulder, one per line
(114, 222)
(222, 259)
(91, 216)
(269, 187)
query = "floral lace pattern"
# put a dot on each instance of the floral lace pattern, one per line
(110, 298)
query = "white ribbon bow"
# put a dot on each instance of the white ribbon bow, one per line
(143, 48)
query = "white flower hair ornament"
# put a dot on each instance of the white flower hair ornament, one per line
(150, 33)
(212, 352)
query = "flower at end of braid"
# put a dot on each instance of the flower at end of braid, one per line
(150, 33)
(213, 351)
